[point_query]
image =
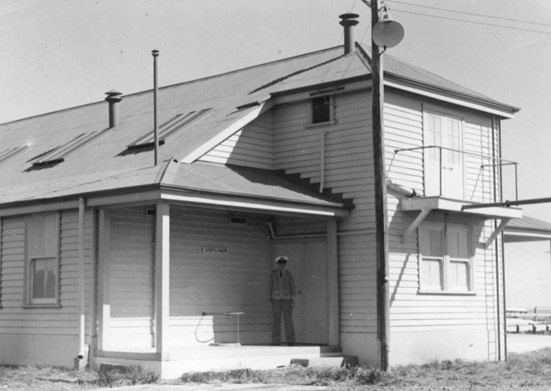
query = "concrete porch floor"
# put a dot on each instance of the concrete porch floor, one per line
(180, 360)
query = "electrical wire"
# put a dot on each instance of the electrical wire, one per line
(473, 14)
(472, 21)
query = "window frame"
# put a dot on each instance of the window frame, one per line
(447, 259)
(331, 120)
(29, 300)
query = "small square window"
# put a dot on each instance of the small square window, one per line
(321, 110)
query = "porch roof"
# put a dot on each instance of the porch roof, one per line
(202, 183)
(527, 229)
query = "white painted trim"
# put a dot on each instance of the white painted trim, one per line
(256, 204)
(31, 209)
(103, 301)
(135, 198)
(228, 132)
(448, 99)
(82, 357)
(494, 234)
(439, 203)
(511, 232)
(333, 282)
(413, 226)
(162, 278)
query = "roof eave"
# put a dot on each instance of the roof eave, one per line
(151, 193)
(451, 96)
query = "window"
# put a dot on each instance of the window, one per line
(322, 110)
(445, 259)
(168, 128)
(42, 260)
(58, 154)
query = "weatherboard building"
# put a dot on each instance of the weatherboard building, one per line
(107, 257)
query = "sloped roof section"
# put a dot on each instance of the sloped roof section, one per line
(226, 102)
(527, 229)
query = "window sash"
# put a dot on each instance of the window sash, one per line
(321, 110)
(445, 252)
(42, 266)
(43, 275)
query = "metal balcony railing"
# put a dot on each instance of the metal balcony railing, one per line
(492, 162)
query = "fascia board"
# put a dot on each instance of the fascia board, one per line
(442, 96)
(255, 204)
(38, 208)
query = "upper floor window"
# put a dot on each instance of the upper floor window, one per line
(322, 110)
(445, 263)
(42, 271)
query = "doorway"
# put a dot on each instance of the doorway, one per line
(443, 166)
(308, 264)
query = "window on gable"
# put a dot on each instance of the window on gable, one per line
(445, 263)
(322, 109)
(166, 129)
(42, 260)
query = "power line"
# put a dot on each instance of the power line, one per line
(473, 14)
(472, 22)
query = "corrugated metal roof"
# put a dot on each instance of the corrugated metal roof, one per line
(529, 223)
(102, 163)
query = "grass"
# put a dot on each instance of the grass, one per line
(530, 371)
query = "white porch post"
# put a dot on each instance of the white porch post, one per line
(333, 282)
(162, 278)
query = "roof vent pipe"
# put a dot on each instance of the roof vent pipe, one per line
(113, 98)
(348, 22)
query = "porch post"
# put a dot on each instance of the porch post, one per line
(162, 278)
(332, 283)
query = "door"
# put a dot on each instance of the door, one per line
(128, 286)
(443, 166)
(308, 263)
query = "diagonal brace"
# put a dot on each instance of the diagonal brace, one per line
(418, 220)
(497, 231)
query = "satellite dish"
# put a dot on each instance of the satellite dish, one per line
(387, 32)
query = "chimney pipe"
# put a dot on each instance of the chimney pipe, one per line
(113, 98)
(348, 22)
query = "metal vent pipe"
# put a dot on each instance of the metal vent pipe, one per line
(348, 21)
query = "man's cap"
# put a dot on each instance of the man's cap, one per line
(281, 260)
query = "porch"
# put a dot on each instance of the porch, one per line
(179, 360)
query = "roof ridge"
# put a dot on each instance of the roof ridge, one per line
(319, 51)
(280, 79)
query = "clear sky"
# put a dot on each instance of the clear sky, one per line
(62, 53)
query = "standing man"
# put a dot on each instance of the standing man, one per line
(282, 292)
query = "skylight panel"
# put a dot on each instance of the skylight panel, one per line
(167, 129)
(58, 154)
(10, 152)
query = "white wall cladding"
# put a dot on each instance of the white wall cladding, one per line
(36, 328)
(347, 170)
(218, 266)
(251, 147)
(412, 312)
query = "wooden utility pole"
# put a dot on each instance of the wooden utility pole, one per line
(381, 219)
